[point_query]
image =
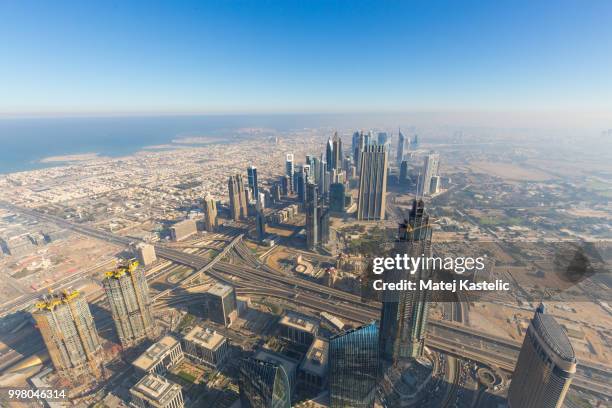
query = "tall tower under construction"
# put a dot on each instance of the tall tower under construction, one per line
(128, 295)
(68, 331)
(404, 315)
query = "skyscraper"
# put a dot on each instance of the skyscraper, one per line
(284, 185)
(372, 183)
(358, 149)
(323, 178)
(367, 139)
(68, 330)
(353, 367)
(300, 181)
(403, 178)
(404, 314)
(209, 206)
(128, 295)
(383, 138)
(354, 144)
(337, 152)
(337, 193)
(264, 384)
(401, 144)
(545, 366)
(312, 217)
(430, 169)
(329, 154)
(260, 219)
(289, 169)
(324, 233)
(252, 179)
(237, 197)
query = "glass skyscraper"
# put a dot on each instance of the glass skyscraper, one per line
(252, 179)
(263, 384)
(403, 322)
(353, 367)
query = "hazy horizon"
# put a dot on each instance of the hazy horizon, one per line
(74, 58)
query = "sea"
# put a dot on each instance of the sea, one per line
(24, 142)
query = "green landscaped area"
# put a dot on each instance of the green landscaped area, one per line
(186, 376)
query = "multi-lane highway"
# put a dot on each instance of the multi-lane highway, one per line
(260, 279)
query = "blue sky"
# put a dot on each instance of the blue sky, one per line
(304, 56)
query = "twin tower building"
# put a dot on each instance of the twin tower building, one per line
(68, 330)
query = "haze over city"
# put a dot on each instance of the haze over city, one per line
(322, 204)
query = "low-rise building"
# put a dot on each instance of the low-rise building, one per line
(206, 346)
(313, 369)
(160, 356)
(298, 328)
(155, 391)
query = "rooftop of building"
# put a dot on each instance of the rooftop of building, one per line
(156, 387)
(125, 266)
(316, 358)
(187, 221)
(553, 335)
(154, 353)
(299, 322)
(205, 337)
(289, 365)
(54, 299)
(219, 289)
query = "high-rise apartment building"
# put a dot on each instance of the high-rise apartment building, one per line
(252, 180)
(127, 292)
(545, 366)
(209, 206)
(264, 384)
(69, 333)
(430, 169)
(289, 170)
(372, 183)
(401, 145)
(312, 217)
(353, 367)
(237, 197)
(404, 314)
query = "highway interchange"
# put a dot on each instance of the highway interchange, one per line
(252, 277)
